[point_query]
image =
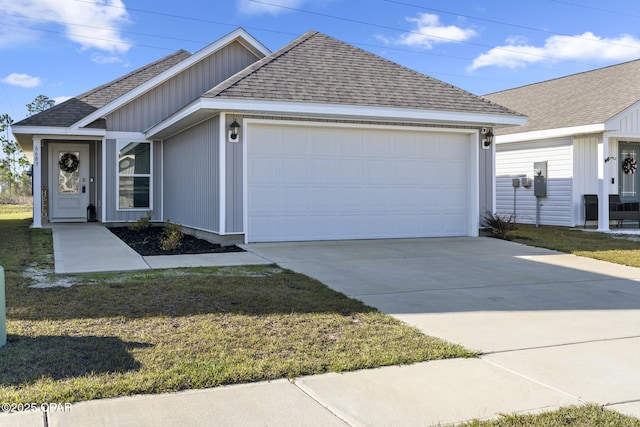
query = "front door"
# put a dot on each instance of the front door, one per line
(628, 176)
(69, 182)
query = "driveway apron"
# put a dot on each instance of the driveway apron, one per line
(566, 322)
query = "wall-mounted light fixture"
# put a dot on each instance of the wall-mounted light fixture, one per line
(608, 159)
(234, 128)
(487, 138)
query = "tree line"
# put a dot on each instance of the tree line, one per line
(15, 181)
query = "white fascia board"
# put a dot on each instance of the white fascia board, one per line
(55, 131)
(190, 109)
(240, 34)
(357, 111)
(550, 133)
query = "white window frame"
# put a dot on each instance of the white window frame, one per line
(119, 175)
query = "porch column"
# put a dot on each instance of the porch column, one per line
(37, 183)
(604, 172)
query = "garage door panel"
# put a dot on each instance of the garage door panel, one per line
(318, 183)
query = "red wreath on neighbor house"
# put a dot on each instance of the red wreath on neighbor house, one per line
(629, 165)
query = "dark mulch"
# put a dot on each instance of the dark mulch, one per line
(148, 242)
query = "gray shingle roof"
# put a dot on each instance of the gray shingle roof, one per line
(592, 97)
(76, 108)
(316, 68)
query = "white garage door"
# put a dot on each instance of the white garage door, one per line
(325, 183)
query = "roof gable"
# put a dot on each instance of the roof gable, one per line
(316, 68)
(588, 98)
(78, 107)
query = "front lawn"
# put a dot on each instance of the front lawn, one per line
(616, 248)
(157, 331)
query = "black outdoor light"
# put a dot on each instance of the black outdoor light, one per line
(487, 139)
(235, 127)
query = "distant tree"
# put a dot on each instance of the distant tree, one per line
(14, 162)
(41, 103)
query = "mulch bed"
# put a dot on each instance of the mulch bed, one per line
(148, 242)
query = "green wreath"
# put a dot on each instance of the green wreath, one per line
(69, 162)
(629, 165)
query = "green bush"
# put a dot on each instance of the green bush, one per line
(142, 223)
(172, 237)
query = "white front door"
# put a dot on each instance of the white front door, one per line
(69, 182)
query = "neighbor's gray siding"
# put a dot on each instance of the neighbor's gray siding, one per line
(191, 177)
(516, 160)
(159, 103)
(111, 196)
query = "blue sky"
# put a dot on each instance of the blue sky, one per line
(61, 48)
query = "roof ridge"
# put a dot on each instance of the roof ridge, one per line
(240, 75)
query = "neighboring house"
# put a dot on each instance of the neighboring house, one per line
(586, 127)
(332, 142)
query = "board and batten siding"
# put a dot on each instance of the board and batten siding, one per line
(191, 177)
(585, 172)
(164, 100)
(234, 181)
(516, 160)
(111, 196)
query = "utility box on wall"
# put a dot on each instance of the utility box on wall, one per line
(540, 179)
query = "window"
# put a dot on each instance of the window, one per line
(134, 175)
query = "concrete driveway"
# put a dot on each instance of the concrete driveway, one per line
(569, 323)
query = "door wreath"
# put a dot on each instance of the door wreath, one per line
(629, 165)
(69, 162)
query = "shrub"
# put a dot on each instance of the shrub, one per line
(142, 223)
(172, 237)
(501, 226)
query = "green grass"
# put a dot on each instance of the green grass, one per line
(571, 416)
(158, 331)
(606, 247)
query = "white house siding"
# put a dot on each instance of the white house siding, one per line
(517, 160)
(585, 173)
(191, 177)
(164, 100)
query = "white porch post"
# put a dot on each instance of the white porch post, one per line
(604, 172)
(37, 183)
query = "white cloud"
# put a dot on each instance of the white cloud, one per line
(429, 31)
(93, 24)
(22, 80)
(585, 47)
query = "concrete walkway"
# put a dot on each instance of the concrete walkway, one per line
(91, 247)
(555, 330)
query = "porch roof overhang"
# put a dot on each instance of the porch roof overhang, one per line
(204, 108)
(25, 134)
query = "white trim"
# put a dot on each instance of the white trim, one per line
(134, 136)
(239, 34)
(473, 210)
(37, 183)
(222, 171)
(103, 183)
(161, 180)
(51, 132)
(550, 133)
(334, 110)
(151, 173)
